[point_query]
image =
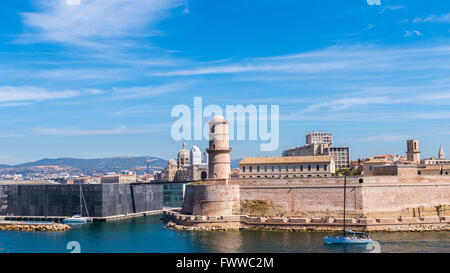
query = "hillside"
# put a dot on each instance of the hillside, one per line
(98, 164)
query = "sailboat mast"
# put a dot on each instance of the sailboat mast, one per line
(81, 203)
(345, 193)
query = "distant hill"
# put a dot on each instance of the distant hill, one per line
(101, 164)
(98, 164)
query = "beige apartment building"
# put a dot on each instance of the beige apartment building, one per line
(321, 143)
(319, 138)
(119, 178)
(287, 167)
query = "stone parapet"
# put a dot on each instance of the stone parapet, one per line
(431, 219)
(386, 220)
(244, 221)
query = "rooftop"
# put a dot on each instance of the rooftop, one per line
(286, 159)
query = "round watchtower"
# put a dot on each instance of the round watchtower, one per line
(219, 149)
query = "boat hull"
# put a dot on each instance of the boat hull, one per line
(75, 220)
(346, 240)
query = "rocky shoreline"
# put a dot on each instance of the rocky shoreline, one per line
(34, 227)
(406, 228)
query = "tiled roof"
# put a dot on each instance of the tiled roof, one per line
(287, 159)
(377, 161)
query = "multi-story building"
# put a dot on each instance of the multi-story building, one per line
(341, 156)
(319, 138)
(119, 178)
(320, 143)
(82, 180)
(287, 167)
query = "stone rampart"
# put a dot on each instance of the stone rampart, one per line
(367, 197)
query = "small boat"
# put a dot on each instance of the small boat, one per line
(78, 218)
(349, 236)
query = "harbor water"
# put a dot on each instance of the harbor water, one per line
(148, 235)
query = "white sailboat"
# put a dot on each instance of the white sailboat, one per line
(349, 236)
(78, 219)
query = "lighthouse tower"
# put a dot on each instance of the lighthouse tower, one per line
(219, 149)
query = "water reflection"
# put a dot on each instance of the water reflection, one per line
(147, 234)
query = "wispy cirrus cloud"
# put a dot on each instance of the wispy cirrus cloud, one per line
(444, 18)
(337, 60)
(150, 90)
(92, 22)
(30, 93)
(92, 132)
(409, 33)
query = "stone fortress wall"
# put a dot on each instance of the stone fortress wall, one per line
(373, 202)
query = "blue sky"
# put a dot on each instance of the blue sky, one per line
(99, 78)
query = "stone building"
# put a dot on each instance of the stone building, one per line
(287, 167)
(82, 180)
(189, 166)
(321, 143)
(440, 160)
(369, 166)
(413, 152)
(119, 178)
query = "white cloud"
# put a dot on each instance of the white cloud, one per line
(445, 18)
(358, 60)
(383, 138)
(30, 93)
(409, 33)
(150, 91)
(95, 132)
(90, 21)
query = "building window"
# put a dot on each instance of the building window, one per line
(279, 168)
(287, 168)
(301, 168)
(257, 168)
(243, 169)
(309, 167)
(318, 167)
(250, 168)
(325, 167)
(295, 169)
(273, 168)
(265, 168)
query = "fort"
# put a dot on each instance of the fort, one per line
(388, 197)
